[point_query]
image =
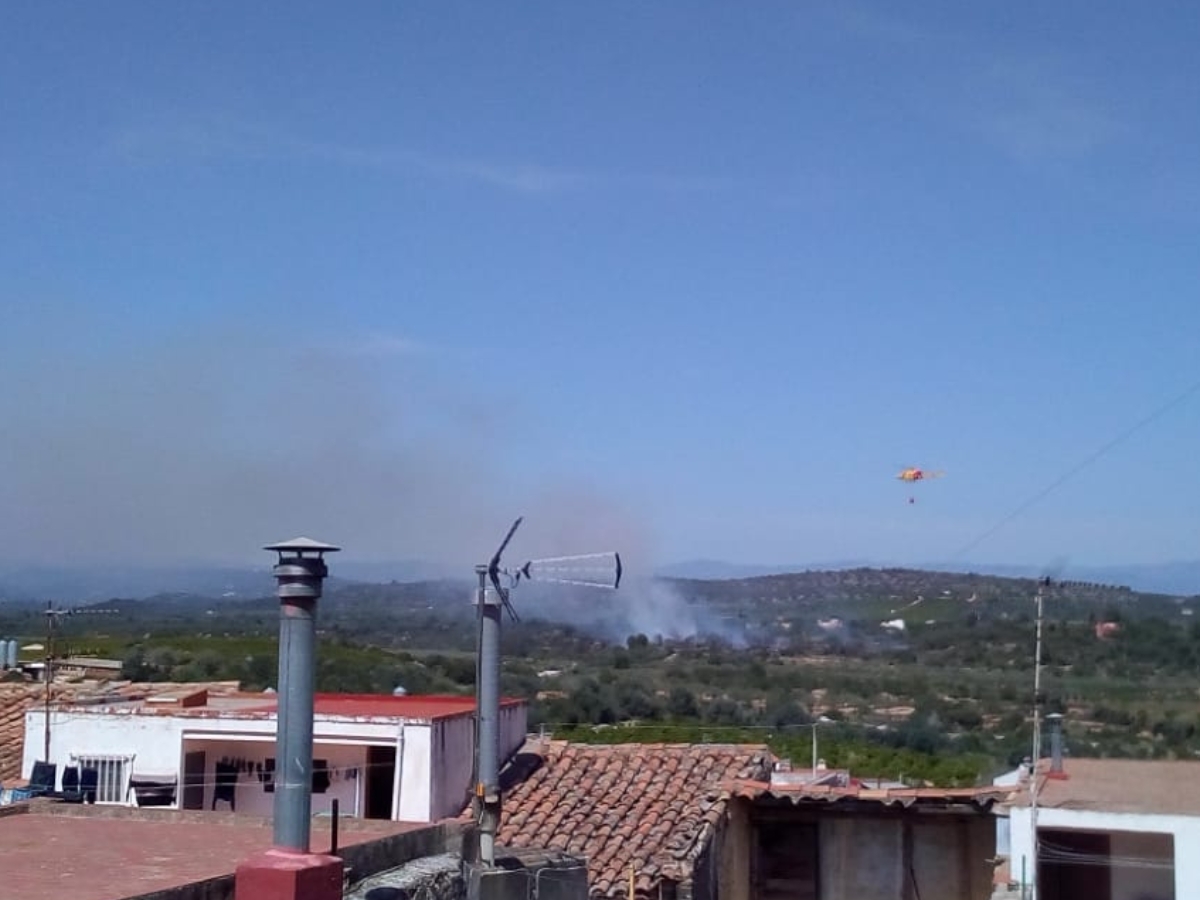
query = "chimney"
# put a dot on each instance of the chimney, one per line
(1056, 745)
(299, 575)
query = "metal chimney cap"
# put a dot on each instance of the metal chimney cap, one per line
(1055, 716)
(302, 545)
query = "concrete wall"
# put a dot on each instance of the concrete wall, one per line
(452, 750)
(361, 861)
(1185, 831)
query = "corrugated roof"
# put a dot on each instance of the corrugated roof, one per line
(980, 797)
(1148, 786)
(649, 806)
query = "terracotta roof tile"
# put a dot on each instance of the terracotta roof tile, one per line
(649, 806)
(1166, 787)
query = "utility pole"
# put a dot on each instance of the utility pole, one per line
(487, 788)
(52, 617)
(1037, 741)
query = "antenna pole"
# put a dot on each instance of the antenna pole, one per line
(487, 788)
(49, 677)
(1037, 743)
(491, 599)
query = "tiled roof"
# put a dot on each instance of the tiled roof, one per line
(649, 806)
(17, 698)
(14, 700)
(1150, 786)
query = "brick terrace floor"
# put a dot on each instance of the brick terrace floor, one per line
(47, 856)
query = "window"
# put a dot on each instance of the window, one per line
(112, 776)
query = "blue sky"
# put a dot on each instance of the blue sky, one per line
(692, 279)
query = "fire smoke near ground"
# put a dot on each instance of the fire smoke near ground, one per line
(643, 605)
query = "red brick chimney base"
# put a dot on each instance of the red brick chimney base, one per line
(288, 875)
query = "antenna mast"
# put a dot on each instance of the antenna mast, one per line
(1043, 583)
(599, 570)
(53, 617)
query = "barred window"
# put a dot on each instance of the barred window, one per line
(112, 775)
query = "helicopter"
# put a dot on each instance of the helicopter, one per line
(914, 474)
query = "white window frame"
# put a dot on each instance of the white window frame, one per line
(115, 770)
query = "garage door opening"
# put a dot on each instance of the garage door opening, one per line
(1105, 865)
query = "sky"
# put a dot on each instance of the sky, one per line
(685, 280)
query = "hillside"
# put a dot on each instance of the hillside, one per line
(947, 695)
(867, 594)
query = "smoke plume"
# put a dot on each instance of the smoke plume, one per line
(165, 448)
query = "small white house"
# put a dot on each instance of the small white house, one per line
(1110, 829)
(408, 758)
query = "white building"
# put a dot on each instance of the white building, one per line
(382, 757)
(1110, 829)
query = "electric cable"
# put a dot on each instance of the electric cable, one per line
(1079, 467)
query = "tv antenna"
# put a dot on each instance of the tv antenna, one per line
(53, 623)
(595, 570)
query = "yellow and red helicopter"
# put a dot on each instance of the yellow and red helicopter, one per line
(914, 474)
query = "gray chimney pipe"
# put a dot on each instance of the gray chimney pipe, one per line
(1056, 742)
(299, 575)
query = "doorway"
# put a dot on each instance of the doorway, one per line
(1105, 865)
(380, 781)
(194, 763)
(786, 864)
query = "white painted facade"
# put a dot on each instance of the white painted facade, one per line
(1185, 831)
(426, 775)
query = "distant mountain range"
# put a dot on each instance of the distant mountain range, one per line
(90, 584)
(1180, 577)
(68, 584)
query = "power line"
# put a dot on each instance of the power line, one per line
(1079, 467)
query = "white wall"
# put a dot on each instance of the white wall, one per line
(157, 742)
(453, 753)
(152, 740)
(1185, 829)
(453, 749)
(433, 761)
(347, 763)
(414, 772)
